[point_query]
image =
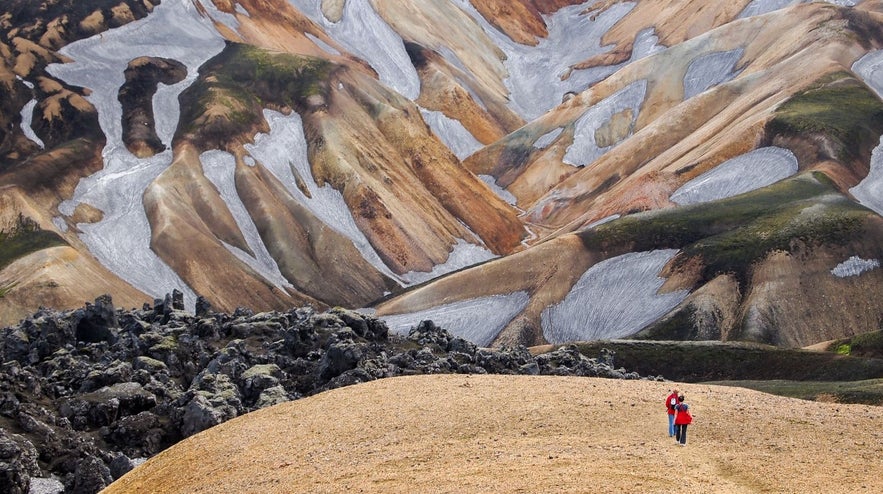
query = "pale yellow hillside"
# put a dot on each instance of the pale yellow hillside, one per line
(461, 434)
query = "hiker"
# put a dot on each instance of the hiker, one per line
(683, 418)
(670, 402)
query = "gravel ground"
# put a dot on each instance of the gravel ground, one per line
(463, 434)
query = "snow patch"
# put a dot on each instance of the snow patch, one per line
(365, 34)
(613, 299)
(709, 70)
(478, 320)
(744, 173)
(854, 266)
(452, 133)
(600, 222)
(540, 76)
(646, 44)
(584, 150)
(760, 7)
(217, 15)
(47, 485)
(26, 82)
(463, 254)
(870, 69)
(547, 138)
(323, 45)
(501, 192)
(869, 192)
(27, 115)
(59, 223)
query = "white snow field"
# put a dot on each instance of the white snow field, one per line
(854, 266)
(709, 70)
(478, 320)
(365, 34)
(744, 173)
(613, 299)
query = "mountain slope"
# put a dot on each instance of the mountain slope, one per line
(275, 153)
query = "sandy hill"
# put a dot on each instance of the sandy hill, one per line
(470, 433)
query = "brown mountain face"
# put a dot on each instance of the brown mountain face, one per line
(692, 176)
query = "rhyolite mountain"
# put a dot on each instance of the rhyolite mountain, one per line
(519, 172)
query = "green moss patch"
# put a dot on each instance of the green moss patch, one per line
(24, 238)
(839, 107)
(236, 85)
(731, 234)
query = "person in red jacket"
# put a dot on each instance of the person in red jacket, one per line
(670, 402)
(683, 418)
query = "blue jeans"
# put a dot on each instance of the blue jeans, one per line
(671, 425)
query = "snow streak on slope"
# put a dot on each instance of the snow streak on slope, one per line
(27, 115)
(750, 171)
(220, 168)
(613, 299)
(284, 151)
(646, 44)
(501, 192)
(452, 133)
(464, 254)
(854, 266)
(869, 192)
(535, 72)
(365, 34)
(584, 149)
(224, 18)
(547, 138)
(121, 240)
(759, 7)
(870, 69)
(710, 70)
(478, 320)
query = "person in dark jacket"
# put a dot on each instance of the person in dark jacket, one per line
(683, 418)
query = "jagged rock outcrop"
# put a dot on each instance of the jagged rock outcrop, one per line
(141, 380)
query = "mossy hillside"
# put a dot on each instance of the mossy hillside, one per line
(719, 361)
(729, 235)
(838, 107)
(861, 345)
(866, 392)
(236, 86)
(23, 238)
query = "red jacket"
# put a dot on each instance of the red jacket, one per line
(670, 403)
(683, 416)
